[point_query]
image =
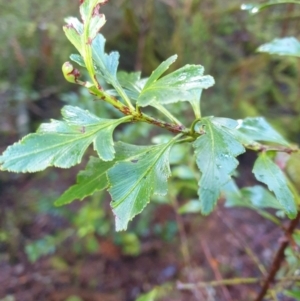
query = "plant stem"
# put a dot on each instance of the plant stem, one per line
(279, 257)
(231, 282)
(193, 125)
(163, 110)
(261, 147)
(137, 115)
(124, 96)
(90, 65)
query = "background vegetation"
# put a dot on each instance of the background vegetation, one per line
(216, 34)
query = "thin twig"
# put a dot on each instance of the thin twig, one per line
(185, 248)
(278, 259)
(231, 282)
(214, 267)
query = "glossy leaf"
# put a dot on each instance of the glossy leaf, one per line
(180, 85)
(285, 46)
(259, 129)
(106, 64)
(160, 70)
(215, 156)
(267, 172)
(255, 8)
(62, 143)
(90, 180)
(140, 172)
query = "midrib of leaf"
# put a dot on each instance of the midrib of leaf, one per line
(212, 145)
(144, 174)
(138, 89)
(103, 69)
(157, 87)
(113, 81)
(87, 135)
(212, 138)
(95, 179)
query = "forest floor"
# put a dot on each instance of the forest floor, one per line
(209, 248)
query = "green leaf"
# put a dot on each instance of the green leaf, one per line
(215, 156)
(132, 83)
(251, 197)
(267, 172)
(78, 59)
(90, 8)
(74, 36)
(90, 180)
(255, 8)
(180, 85)
(96, 23)
(140, 172)
(259, 129)
(62, 143)
(160, 70)
(195, 101)
(106, 64)
(75, 23)
(284, 46)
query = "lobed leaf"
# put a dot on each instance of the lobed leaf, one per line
(267, 172)
(180, 85)
(96, 23)
(140, 172)
(215, 156)
(289, 46)
(90, 180)
(62, 143)
(106, 64)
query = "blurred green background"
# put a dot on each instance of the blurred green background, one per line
(214, 33)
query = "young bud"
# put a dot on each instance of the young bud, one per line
(70, 73)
